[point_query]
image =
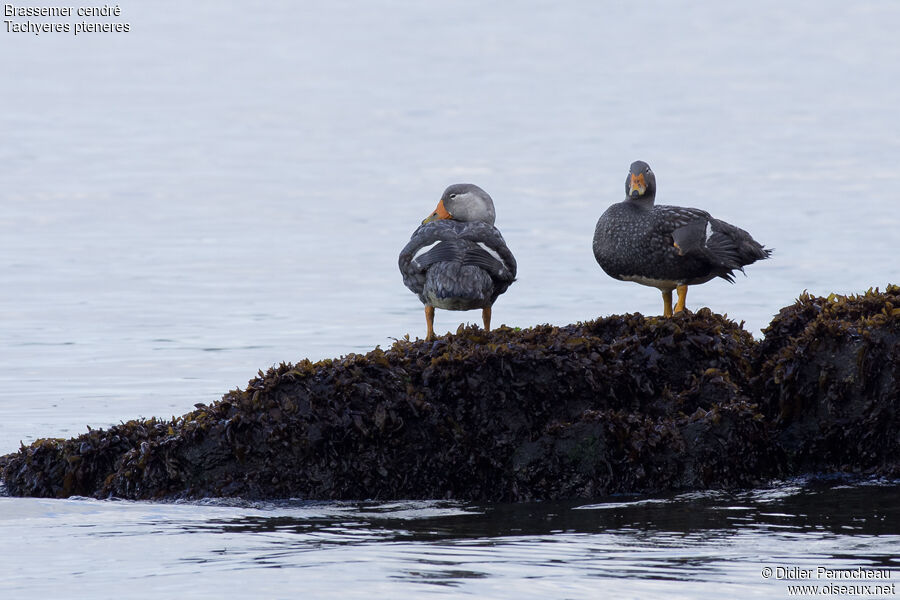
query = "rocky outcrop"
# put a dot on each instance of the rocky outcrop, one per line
(828, 379)
(620, 404)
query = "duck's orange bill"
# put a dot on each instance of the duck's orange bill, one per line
(439, 213)
(637, 184)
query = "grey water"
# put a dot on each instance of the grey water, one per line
(697, 545)
(226, 186)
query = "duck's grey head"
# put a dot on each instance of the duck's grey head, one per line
(464, 202)
(641, 182)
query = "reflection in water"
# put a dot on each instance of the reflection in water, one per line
(692, 537)
(631, 545)
(695, 536)
(798, 506)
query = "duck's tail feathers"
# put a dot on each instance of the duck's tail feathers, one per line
(733, 248)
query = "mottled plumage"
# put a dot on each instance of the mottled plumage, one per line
(668, 247)
(457, 259)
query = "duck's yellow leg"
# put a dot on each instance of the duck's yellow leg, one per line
(682, 295)
(429, 322)
(486, 317)
(667, 303)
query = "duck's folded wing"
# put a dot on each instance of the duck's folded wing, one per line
(678, 217)
(721, 244)
(489, 260)
(490, 252)
(686, 228)
(476, 244)
(446, 251)
(430, 243)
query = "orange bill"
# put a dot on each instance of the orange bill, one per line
(439, 213)
(637, 184)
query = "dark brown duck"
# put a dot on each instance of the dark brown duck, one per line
(668, 247)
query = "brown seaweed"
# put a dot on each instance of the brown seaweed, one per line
(619, 404)
(829, 380)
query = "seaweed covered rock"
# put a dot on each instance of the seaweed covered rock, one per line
(829, 380)
(78, 466)
(620, 404)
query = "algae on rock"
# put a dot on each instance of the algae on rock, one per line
(619, 404)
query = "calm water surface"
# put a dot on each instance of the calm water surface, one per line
(227, 186)
(709, 545)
